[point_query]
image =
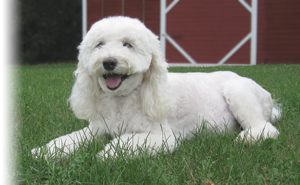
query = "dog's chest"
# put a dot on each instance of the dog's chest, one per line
(123, 112)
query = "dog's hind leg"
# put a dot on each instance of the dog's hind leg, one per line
(252, 108)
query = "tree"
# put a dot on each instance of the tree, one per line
(50, 30)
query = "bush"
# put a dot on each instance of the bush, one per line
(50, 30)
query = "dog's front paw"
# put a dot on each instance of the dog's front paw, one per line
(107, 152)
(38, 152)
(48, 151)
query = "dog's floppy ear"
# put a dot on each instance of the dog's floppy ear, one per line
(157, 99)
(84, 92)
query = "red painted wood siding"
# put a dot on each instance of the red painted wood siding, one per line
(279, 31)
(208, 30)
(132, 8)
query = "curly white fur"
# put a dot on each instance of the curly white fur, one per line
(150, 107)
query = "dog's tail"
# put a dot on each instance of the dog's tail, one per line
(276, 111)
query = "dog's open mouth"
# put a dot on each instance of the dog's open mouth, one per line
(114, 81)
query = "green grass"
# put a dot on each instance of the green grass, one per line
(41, 113)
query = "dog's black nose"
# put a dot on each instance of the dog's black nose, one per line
(109, 63)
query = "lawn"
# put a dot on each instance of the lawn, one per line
(41, 113)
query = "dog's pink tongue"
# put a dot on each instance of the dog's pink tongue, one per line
(113, 81)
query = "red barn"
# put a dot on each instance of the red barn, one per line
(213, 32)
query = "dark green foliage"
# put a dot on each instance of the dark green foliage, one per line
(50, 30)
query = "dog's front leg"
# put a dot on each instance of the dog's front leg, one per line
(63, 145)
(132, 144)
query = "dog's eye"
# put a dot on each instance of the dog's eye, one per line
(100, 45)
(126, 44)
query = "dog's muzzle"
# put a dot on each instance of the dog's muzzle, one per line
(113, 80)
(109, 63)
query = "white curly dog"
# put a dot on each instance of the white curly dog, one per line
(123, 88)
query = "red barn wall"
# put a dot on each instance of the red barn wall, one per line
(132, 8)
(207, 30)
(279, 31)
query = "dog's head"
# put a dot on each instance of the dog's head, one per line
(116, 56)
(118, 50)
